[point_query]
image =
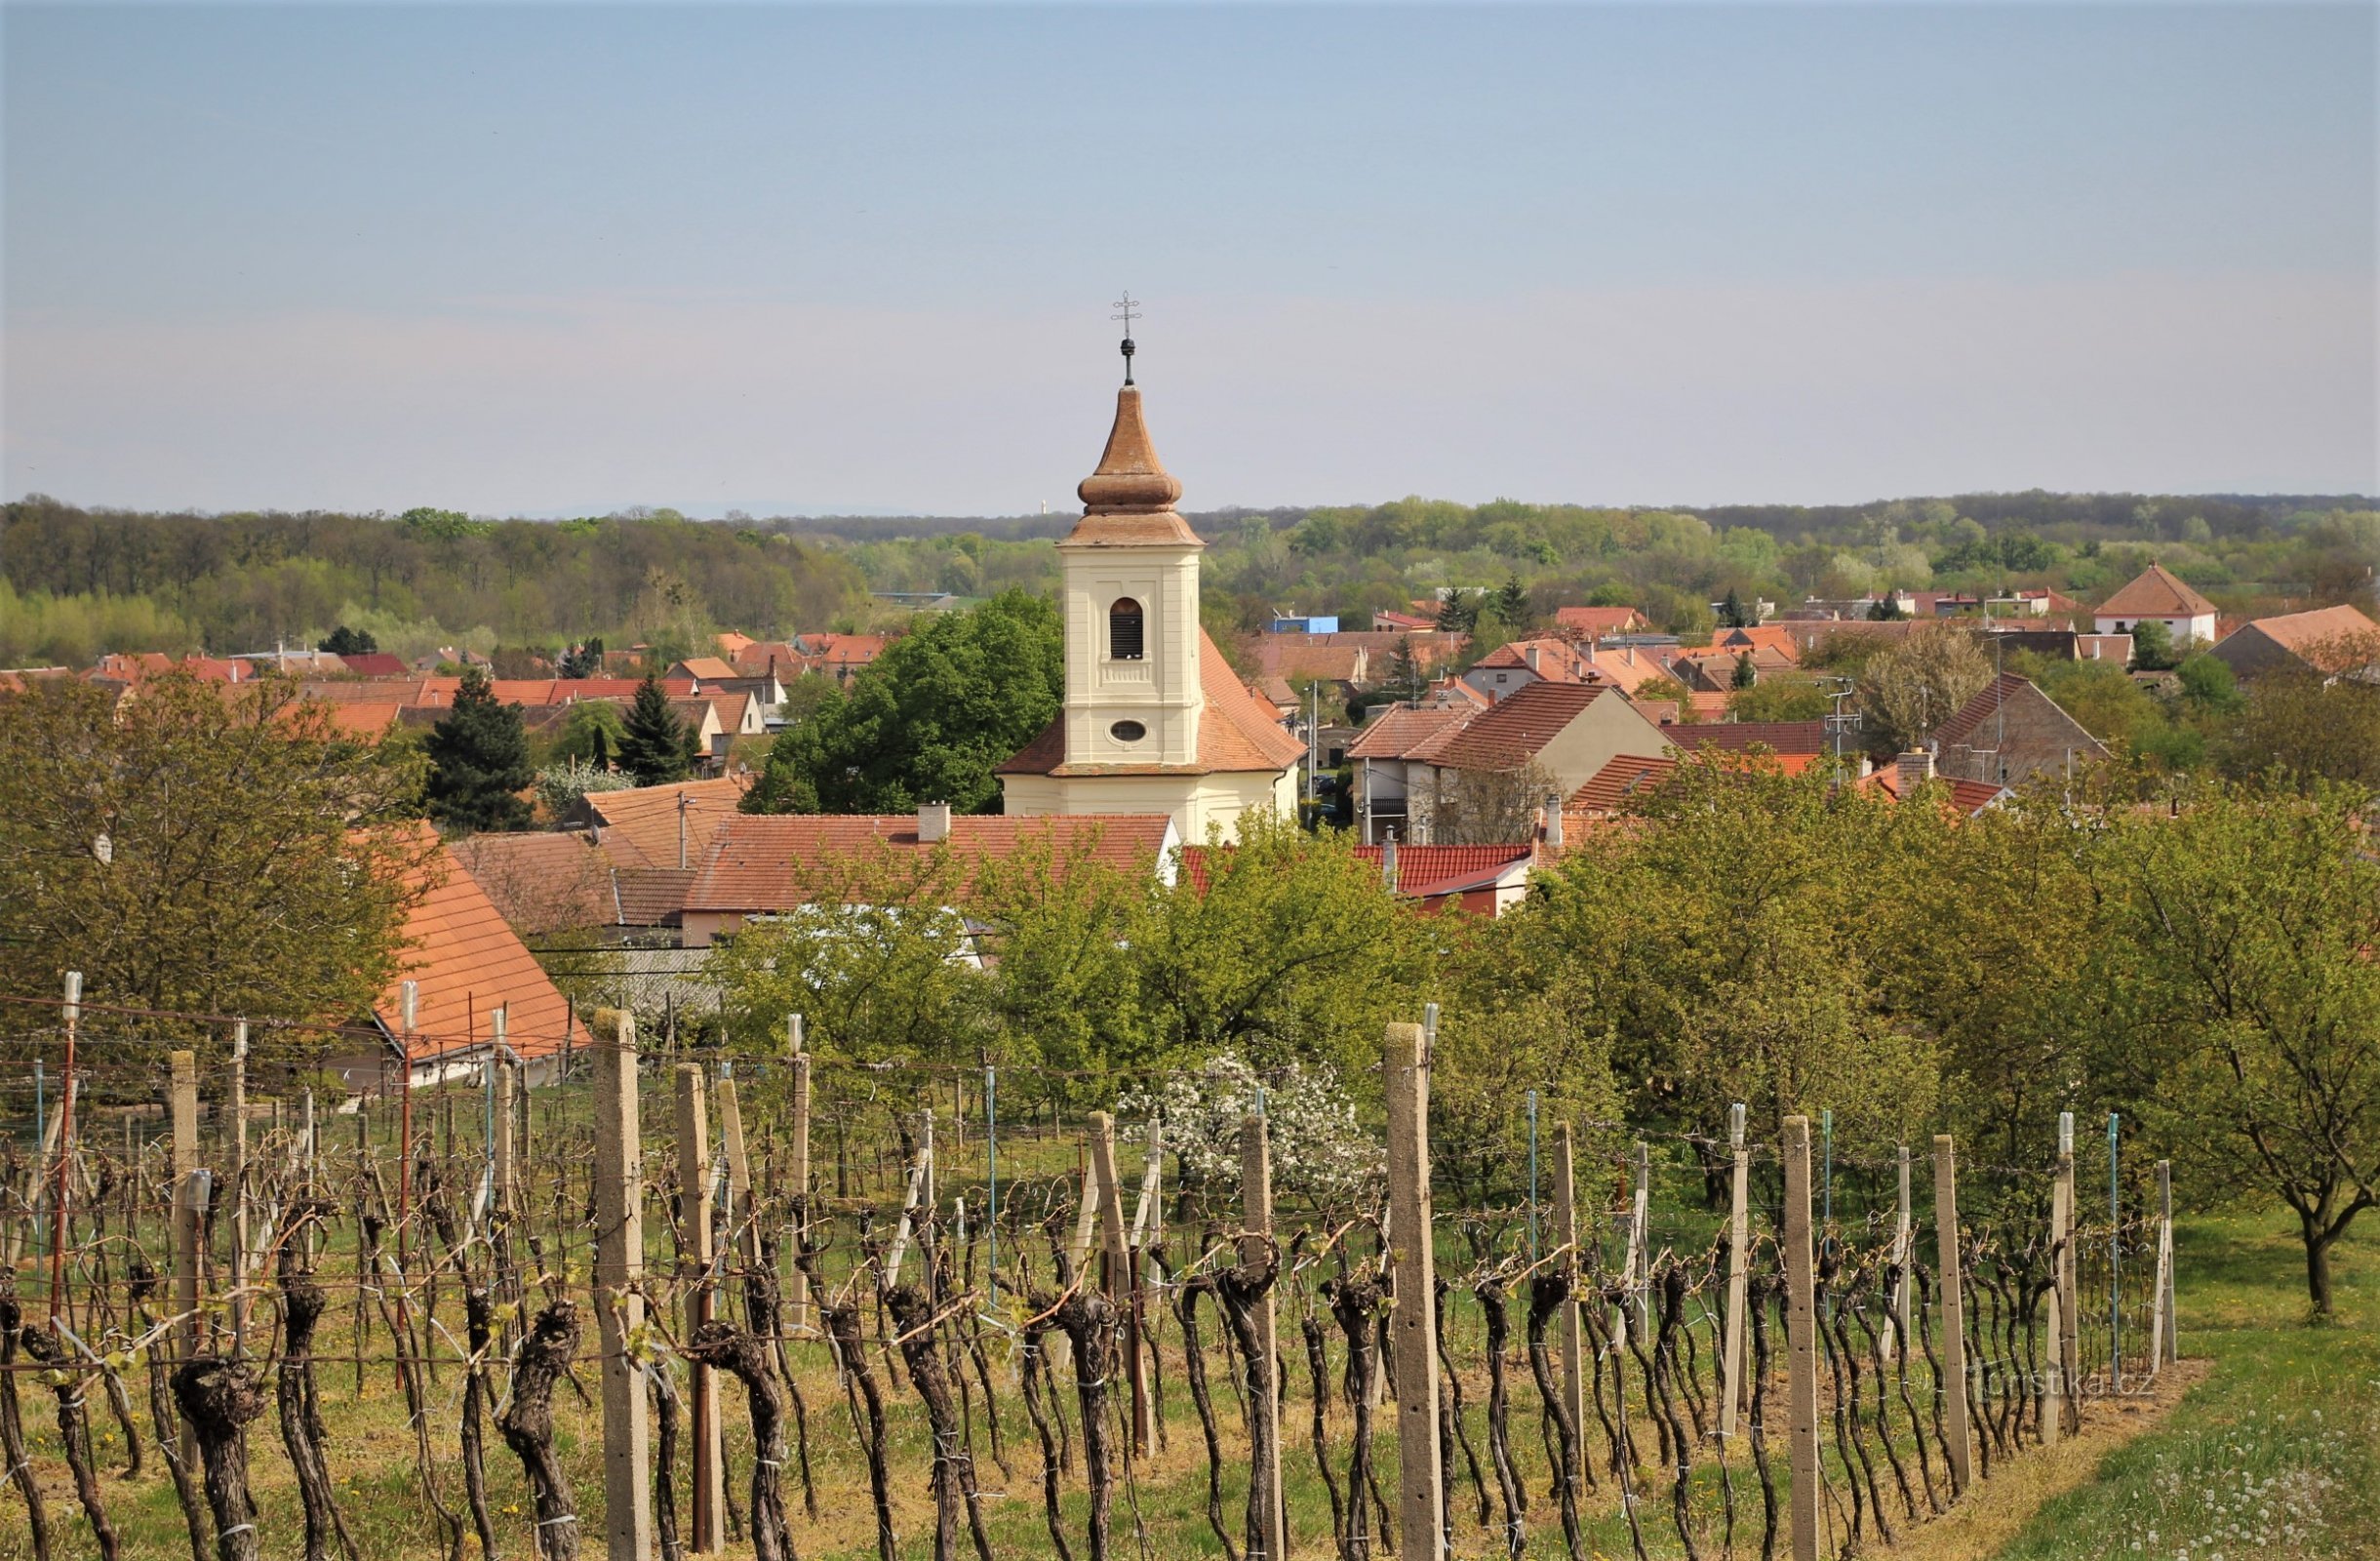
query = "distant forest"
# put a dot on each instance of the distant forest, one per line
(75, 582)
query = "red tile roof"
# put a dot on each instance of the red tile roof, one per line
(708, 668)
(763, 861)
(1399, 732)
(468, 963)
(2158, 592)
(1516, 729)
(1425, 872)
(1780, 737)
(1982, 707)
(639, 826)
(376, 664)
(2331, 639)
(543, 881)
(1617, 783)
(1598, 620)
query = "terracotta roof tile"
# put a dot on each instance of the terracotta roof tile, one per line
(759, 862)
(469, 963)
(639, 826)
(1620, 781)
(546, 881)
(1778, 737)
(1396, 732)
(1516, 729)
(2158, 592)
(2338, 637)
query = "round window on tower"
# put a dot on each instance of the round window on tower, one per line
(1128, 730)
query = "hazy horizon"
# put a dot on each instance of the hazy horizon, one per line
(513, 258)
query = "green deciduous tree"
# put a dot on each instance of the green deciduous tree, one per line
(1911, 688)
(479, 760)
(928, 720)
(195, 851)
(1287, 946)
(654, 745)
(2255, 1049)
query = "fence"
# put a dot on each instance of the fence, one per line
(1603, 1358)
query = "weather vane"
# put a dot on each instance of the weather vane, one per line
(1128, 311)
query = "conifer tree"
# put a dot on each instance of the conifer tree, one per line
(659, 747)
(479, 760)
(1745, 674)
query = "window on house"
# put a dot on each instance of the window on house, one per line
(1124, 631)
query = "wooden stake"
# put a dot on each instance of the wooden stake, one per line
(1732, 1375)
(238, 1173)
(64, 1182)
(798, 1164)
(188, 1197)
(1904, 1255)
(1264, 1405)
(2057, 1392)
(1947, 1264)
(2161, 1311)
(620, 1307)
(1573, 1334)
(1420, 1506)
(1121, 1284)
(708, 1531)
(1148, 1229)
(1802, 1342)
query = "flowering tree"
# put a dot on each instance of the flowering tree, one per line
(1318, 1153)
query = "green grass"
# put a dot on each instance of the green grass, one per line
(2277, 1453)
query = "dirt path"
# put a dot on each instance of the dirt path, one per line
(1998, 1510)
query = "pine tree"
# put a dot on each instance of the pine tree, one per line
(479, 760)
(659, 747)
(1510, 603)
(1745, 675)
(584, 659)
(346, 640)
(1732, 613)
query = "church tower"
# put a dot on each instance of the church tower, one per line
(1130, 598)
(1154, 720)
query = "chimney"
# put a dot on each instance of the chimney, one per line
(1529, 654)
(1916, 768)
(933, 822)
(1867, 767)
(1388, 862)
(1631, 655)
(1553, 820)
(681, 829)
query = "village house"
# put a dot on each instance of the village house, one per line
(2010, 732)
(469, 971)
(2158, 595)
(2333, 641)
(1562, 732)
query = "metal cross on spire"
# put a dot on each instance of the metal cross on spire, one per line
(1128, 309)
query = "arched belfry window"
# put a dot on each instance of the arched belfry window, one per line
(1124, 631)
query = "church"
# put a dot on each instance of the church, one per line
(1155, 720)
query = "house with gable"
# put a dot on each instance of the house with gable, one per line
(2009, 733)
(2158, 595)
(2330, 641)
(1561, 732)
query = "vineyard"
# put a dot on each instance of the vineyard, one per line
(779, 1306)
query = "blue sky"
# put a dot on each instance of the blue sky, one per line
(550, 258)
